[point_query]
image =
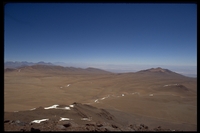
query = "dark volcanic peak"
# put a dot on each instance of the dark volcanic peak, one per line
(160, 72)
(158, 69)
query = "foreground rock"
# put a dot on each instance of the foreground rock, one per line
(76, 117)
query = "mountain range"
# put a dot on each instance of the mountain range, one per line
(24, 65)
(17, 64)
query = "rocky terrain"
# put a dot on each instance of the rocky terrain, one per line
(75, 117)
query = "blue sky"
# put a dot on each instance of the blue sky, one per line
(115, 35)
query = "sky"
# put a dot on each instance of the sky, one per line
(114, 36)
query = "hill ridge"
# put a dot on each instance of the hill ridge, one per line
(56, 68)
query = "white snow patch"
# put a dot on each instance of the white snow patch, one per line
(68, 85)
(170, 85)
(71, 106)
(151, 95)
(63, 119)
(61, 87)
(86, 119)
(122, 95)
(55, 107)
(51, 107)
(67, 108)
(103, 98)
(33, 109)
(38, 121)
(96, 100)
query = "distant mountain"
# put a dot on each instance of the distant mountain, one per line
(49, 68)
(44, 63)
(17, 64)
(159, 71)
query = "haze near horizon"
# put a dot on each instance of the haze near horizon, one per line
(111, 36)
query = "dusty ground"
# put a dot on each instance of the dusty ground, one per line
(167, 99)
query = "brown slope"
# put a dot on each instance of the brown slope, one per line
(97, 71)
(153, 79)
(60, 70)
(76, 113)
(82, 117)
